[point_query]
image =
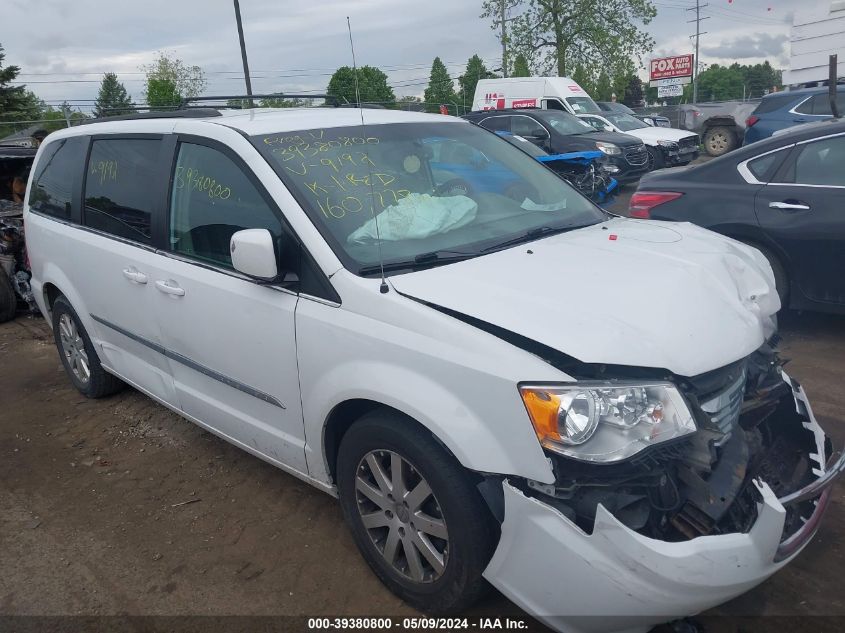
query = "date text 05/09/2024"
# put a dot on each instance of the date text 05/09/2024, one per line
(409, 624)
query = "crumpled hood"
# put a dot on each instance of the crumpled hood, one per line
(625, 292)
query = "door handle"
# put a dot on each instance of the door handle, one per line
(789, 206)
(135, 275)
(170, 287)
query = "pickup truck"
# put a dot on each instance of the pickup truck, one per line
(721, 124)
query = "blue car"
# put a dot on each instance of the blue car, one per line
(781, 110)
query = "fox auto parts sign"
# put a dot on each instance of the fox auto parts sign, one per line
(670, 67)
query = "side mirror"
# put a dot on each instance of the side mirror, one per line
(607, 127)
(253, 253)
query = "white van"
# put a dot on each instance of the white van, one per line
(497, 379)
(552, 93)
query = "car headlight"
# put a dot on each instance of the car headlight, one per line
(608, 148)
(606, 422)
(670, 145)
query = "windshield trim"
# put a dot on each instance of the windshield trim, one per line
(353, 265)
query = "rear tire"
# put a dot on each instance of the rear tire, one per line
(454, 519)
(8, 298)
(719, 140)
(78, 356)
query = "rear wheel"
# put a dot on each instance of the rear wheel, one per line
(414, 513)
(8, 299)
(78, 356)
(781, 278)
(719, 140)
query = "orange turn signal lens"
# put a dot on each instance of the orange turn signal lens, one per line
(543, 409)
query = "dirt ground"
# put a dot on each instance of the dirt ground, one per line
(120, 507)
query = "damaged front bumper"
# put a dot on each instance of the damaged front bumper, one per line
(615, 578)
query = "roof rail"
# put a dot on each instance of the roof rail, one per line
(193, 113)
(332, 99)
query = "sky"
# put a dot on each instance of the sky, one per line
(64, 46)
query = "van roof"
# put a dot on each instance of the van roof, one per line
(258, 120)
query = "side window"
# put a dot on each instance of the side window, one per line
(211, 200)
(762, 167)
(553, 104)
(119, 187)
(52, 184)
(806, 107)
(598, 124)
(820, 163)
(526, 126)
(497, 124)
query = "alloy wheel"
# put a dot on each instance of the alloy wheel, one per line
(718, 142)
(402, 516)
(73, 347)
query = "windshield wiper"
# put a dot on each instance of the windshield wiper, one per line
(533, 234)
(423, 260)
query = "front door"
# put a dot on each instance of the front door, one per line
(230, 340)
(802, 210)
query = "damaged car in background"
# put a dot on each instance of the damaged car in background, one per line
(473, 365)
(15, 163)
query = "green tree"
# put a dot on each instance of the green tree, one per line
(441, 87)
(583, 76)
(633, 97)
(162, 93)
(112, 99)
(565, 33)
(16, 102)
(475, 71)
(372, 86)
(498, 11)
(604, 88)
(168, 76)
(520, 67)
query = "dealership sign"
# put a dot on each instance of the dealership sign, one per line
(671, 67)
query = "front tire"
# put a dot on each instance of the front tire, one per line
(78, 356)
(655, 158)
(414, 513)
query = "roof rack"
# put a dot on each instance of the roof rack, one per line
(331, 99)
(193, 113)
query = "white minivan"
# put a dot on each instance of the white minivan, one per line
(500, 382)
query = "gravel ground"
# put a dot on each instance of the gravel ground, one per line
(120, 507)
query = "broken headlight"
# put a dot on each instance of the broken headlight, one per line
(603, 422)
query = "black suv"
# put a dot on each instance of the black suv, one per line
(560, 132)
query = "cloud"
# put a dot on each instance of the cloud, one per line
(755, 45)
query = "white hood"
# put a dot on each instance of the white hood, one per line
(650, 135)
(625, 292)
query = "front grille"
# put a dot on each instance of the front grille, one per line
(637, 155)
(689, 142)
(723, 407)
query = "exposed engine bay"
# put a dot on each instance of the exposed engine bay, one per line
(749, 428)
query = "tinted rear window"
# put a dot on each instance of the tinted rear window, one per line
(52, 183)
(120, 187)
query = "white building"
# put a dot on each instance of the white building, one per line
(817, 33)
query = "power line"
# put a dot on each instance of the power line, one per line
(697, 36)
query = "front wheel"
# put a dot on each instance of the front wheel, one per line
(655, 158)
(414, 513)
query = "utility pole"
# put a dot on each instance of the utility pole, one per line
(503, 34)
(698, 7)
(243, 52)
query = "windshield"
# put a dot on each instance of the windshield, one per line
(624, 122)
(432, 188)
(582, 105)
(565, 123)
